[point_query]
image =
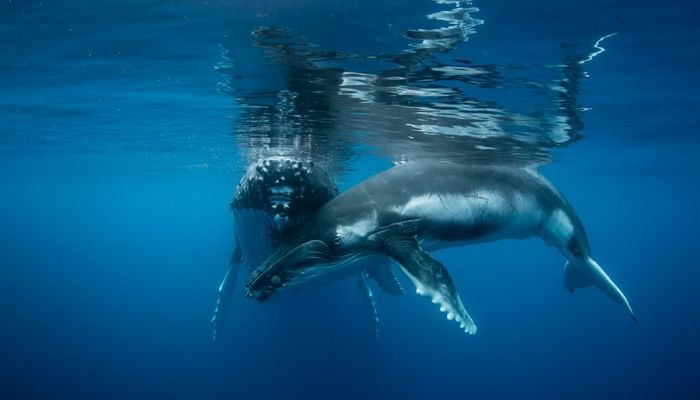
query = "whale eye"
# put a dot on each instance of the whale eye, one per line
(337, 241)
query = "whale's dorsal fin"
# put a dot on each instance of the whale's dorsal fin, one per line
(386, 279)
(430, 278)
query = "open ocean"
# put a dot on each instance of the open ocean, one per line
(125, 127)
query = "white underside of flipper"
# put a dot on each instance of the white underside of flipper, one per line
(456, 312)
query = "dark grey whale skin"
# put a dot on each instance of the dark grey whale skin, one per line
(398, 185)
(309, 187)
(524, 204)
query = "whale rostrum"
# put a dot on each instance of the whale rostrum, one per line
(409, 210)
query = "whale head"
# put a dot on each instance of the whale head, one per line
(310, 253)
(284, 188)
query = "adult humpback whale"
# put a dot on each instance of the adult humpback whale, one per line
(274, 195)
(413, 208)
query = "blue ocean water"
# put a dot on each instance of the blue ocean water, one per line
(125, 126)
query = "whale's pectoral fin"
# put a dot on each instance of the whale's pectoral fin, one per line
(368, 299)
(226, 290)
(386, 279)
(430, 278)
(587, 272)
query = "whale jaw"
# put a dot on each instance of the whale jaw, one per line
(284, 265)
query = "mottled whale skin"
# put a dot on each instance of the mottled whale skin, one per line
(413, 208)
(275, 195)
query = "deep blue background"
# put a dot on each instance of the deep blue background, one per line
(117, 164)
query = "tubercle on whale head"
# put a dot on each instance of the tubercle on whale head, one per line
(284, 187)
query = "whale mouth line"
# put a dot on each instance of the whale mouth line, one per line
(280, 198)
(281, 190)
(298, 267)
(285, 265)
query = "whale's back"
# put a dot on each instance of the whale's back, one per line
(454, 200)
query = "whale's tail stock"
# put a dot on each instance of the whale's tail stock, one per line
(584, 272)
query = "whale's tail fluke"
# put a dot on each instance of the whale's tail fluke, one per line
(586, 272)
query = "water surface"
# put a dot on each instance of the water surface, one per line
(125, 126)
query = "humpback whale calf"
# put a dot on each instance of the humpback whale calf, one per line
(274, 195)
(413, 208)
